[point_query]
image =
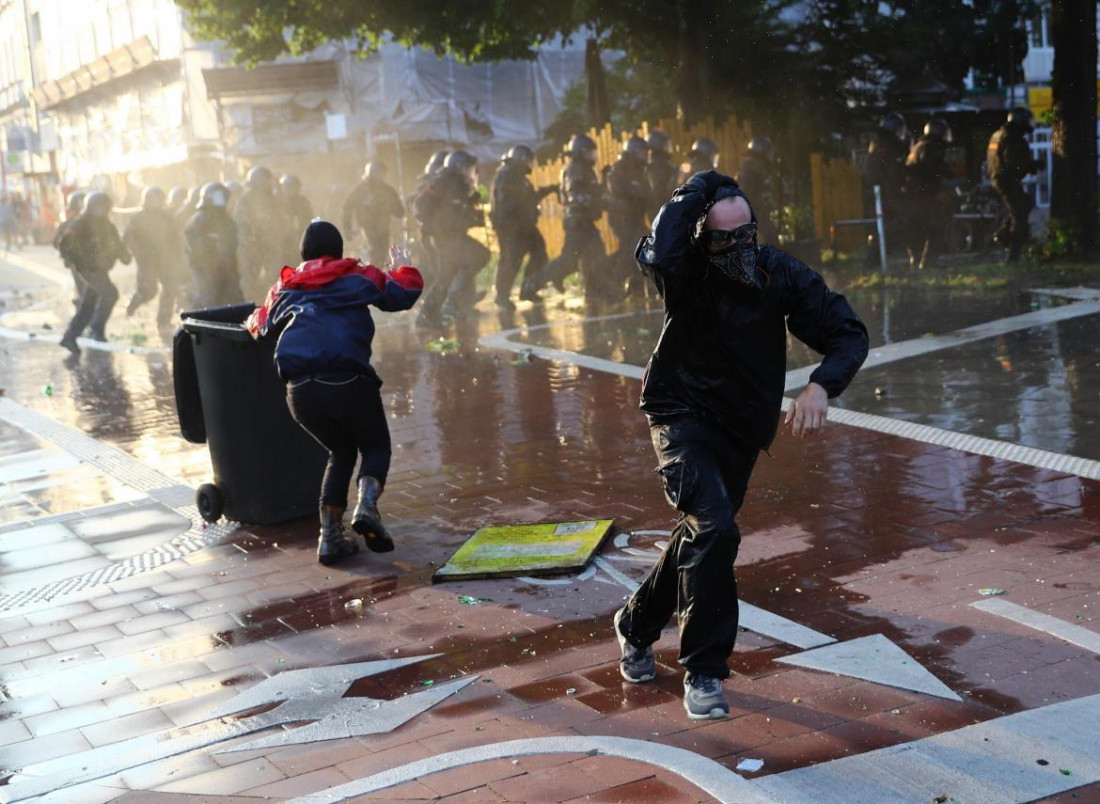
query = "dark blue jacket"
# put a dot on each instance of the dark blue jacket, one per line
(321, 313)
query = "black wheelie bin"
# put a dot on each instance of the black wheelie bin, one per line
(267, 469)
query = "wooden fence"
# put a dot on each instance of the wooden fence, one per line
(838, 196)
(731, 136)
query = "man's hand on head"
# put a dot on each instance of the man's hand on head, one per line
(708, 182)
(807, 413)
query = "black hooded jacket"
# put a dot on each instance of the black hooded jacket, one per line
(722, 354)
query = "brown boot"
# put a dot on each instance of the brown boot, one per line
(335, 543)
(366, 521)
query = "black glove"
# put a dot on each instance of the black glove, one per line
(708, 182)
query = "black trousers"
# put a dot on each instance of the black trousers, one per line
(517, 242)
(98, 295)
(1019, 202)
(346, 417)
(705, 474)
(582, 251)
(459, 258)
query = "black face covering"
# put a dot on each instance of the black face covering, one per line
(737, 264)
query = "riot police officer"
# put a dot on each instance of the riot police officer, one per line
(582, 196)
(628, 198)
(925, 171)
(1009, 161)
(369, 207)
(260, 230)
(154, 239)
(703, 155)
(885, 167)
(755, 178)
(297, 213)
(93, 246)
(424, 237)
(73, 207)
(212, 245)
(514, 213)
(449, 207)
(661, 172)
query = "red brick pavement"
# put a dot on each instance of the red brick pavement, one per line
(855, 534)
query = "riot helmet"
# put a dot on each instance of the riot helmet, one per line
(636, 148)
(98, 203)
(658, 142)
(375, 169)
(462, 161)
(213, 194)
(76, 202)
(435, 163)
(153, 198)
(894, 123)
(260, 179)
(176, 197)
(706, 148)
(582, 147)
(1021, 118)
(938, 129)
(762, 146)
(521, 154)
(290, 184)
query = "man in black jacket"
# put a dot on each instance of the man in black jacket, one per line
(1009, 162)
(515, 215)
(712, 394)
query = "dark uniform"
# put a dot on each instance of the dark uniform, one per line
(885, 167)
(755, 177)
(369, 207)
(628, 197)
(661, 172)
(297, 213)
(212, 251)
(703, 155)
(157, 245)
(93, 245)
(449, 207)
(925, 171)
(582, 197)
(260, 228)
(72, 212)
(514, 213)
(1008, 161)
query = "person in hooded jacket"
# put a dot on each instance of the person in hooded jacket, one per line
(712, 392)
(320, 314)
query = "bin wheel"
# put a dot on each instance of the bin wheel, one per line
(211, 502)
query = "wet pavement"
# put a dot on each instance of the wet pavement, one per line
(109, 686)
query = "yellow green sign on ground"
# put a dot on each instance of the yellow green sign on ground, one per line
(536, 549)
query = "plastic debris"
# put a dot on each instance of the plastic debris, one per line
(1041, 762)
(522, 357)
(750, 765)
(991, 590)
(355, 605)
(426, 683)
(48, 390)
(473, 601)
(443, 346)
(571, 691)
(1065, 772)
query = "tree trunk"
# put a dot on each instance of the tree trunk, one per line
(693, 70)
(1073, 138)
(597, 107)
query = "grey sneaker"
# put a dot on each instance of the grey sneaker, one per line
(703, 698)
(636, 665)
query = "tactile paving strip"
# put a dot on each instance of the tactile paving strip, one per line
(126, 469)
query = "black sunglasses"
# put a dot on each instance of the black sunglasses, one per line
(721, 238)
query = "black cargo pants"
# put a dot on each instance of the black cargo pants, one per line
(705, 474)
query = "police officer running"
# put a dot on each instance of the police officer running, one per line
(582, 196)
(1009, 161)
(885, 167)
(369, 207)
(754, 175)
(260, 229)
(514, 213)
(925, 171)
(628, 198)
(93, 246)
(449, 207)
(155, 241)
(212, 250)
